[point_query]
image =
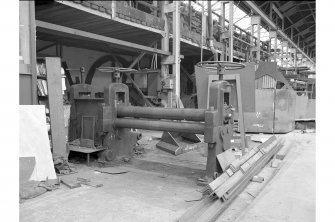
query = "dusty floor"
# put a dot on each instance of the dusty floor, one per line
(290, 196)
(158, 186)
(288, 192)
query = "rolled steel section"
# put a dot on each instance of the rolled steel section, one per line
(161, 113)
(159, 125)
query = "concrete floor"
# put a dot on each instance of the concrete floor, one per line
(158, 186)
(289, 195)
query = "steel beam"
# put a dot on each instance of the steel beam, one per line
(298, 23)
(269, 22)
(46, 47)
(159, 125)
(161, 113)
(286, 6)
(309, 38)
(101, 38)
(277, 11)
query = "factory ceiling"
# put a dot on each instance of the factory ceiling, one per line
(298, 19)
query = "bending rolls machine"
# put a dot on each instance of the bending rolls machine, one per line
(116, 117)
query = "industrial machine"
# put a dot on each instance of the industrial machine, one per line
(115, 117)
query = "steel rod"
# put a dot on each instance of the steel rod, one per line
(159, 125)
(161, 113)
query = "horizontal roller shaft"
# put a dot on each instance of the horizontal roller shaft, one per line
(159, 125)
(161, 113)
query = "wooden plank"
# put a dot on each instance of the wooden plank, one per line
(56, 105)
(101, 38)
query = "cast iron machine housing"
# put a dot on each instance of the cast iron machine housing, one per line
(86, 103)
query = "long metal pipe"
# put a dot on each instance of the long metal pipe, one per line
(268, 21)
(159, 125)
(161, 113)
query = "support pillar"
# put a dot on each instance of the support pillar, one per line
(203, 31)
(285, 58)
(176, 49)
(274, 33)
(164, 65)
(251, 42)
(282, 54)
(223, 29)
(258, 55)
(231, 30)
(256, 20)
(294, 51)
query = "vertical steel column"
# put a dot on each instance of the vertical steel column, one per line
(251, 40)
(294, 58)
(282, 54)
(258, 57)
(269, 48)
(285, 44)
(203, 30)
(165, 46)
(32, 39)
(256, 20)
(275, 47)
(231, 30)
(176, 49)
(190, 15)
(223, 29)
(154, 3)
(287, 57)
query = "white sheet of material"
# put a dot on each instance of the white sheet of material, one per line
(34, 141)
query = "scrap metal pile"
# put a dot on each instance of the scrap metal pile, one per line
(221, 192)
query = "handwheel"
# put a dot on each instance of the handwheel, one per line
(115, 69)
(221, 65)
